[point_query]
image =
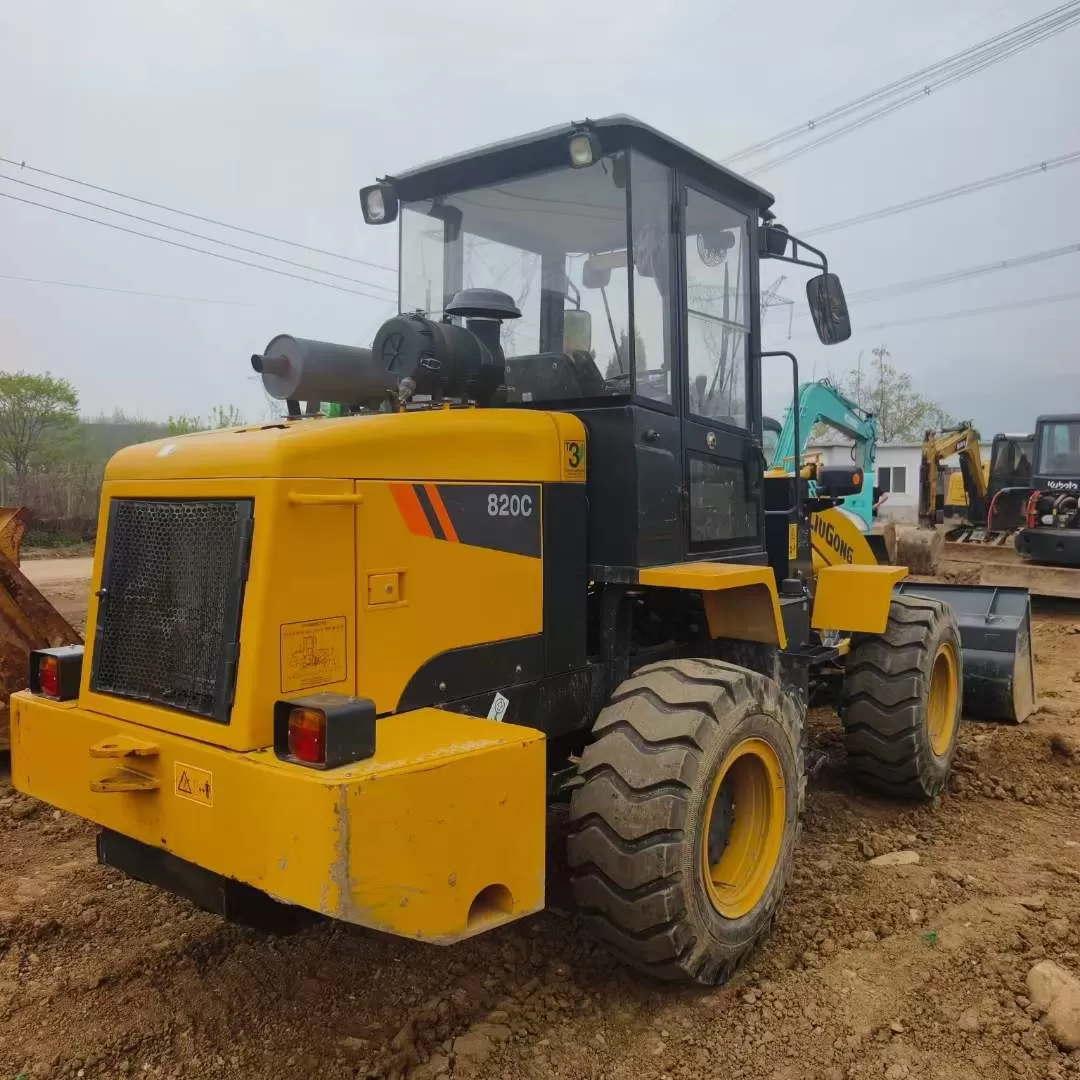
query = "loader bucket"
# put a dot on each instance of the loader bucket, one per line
(12, 527)
(27, 621)
(995, 635)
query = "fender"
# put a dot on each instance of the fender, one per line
(835, 540)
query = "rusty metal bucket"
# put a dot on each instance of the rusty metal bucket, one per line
(27, 620)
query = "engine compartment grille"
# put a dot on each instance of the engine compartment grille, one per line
(172, 584)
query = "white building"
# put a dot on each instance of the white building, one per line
(896, 471)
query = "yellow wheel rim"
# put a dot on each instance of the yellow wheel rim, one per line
(941, 702)
(743, 828)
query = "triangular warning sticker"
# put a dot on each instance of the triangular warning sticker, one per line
(184, 784)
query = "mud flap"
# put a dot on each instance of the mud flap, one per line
(995, 635)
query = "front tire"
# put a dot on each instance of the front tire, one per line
(684, 825)
(901, 700)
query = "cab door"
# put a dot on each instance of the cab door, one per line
(723, 464)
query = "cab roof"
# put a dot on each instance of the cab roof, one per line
(547, 149)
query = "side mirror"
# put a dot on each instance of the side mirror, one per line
(596, 272)
(828, 307)
(837, 481)
(595, 277)
(577, 331)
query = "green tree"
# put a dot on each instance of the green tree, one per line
(902, 413)
(39, 420)
(221, 416)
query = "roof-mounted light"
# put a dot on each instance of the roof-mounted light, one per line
(584, 149)
(379, 204)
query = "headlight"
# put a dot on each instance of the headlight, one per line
(584, 149)
(379, 204)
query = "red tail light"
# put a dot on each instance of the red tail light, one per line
(324, 731)
(307, 735)
(56, 672)
(48, 676)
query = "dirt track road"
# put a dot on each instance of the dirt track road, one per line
(65, 582)
(872, 971)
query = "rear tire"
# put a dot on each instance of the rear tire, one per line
(683, 828)
(901, 699)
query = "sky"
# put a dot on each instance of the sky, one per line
(271, 115)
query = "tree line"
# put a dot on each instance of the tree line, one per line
(52, 459)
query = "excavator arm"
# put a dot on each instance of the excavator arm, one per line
(962, 440)
(823, 403)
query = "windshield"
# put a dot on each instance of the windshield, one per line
(1059, 448)
(1012, 459)
(556, 243)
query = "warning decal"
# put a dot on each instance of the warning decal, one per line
(190, 782)
(313, 653)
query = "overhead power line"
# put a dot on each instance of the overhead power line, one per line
(191, 247)
(905, 91)
(196, 217)
(885, 292)
(1034, 169)
(967, 313)
(197, 235)
(124, 292)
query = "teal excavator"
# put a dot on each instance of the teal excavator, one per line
(822, 403)
(995, 623)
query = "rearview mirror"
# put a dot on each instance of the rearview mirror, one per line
(577, 331)
(596, 272)
(838, 480)
(828, 307)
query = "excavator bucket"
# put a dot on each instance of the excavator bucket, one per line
(995, 635)
(917, 548)
(27, 621)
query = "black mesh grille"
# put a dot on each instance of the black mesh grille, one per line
(169, 616)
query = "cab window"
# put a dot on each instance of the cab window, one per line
(718, 309)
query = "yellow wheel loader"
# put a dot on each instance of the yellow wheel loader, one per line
(534, 574)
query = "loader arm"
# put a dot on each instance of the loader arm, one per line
(822, 403)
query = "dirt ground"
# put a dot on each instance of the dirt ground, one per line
(910, 971)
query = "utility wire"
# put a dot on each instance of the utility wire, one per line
(948, 193)
(196, 235)
(990, 309)
(946, 316)
(889, 89)
(964, 72)
(196, 217)
(125, 292)
(191, 247)
(886, 292)
(960, 65)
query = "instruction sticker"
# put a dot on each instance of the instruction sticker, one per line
(313, 653)
(499, 704)
(573, 459)
(195, 784)
(793, 541)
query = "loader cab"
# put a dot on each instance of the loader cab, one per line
(631, 263)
